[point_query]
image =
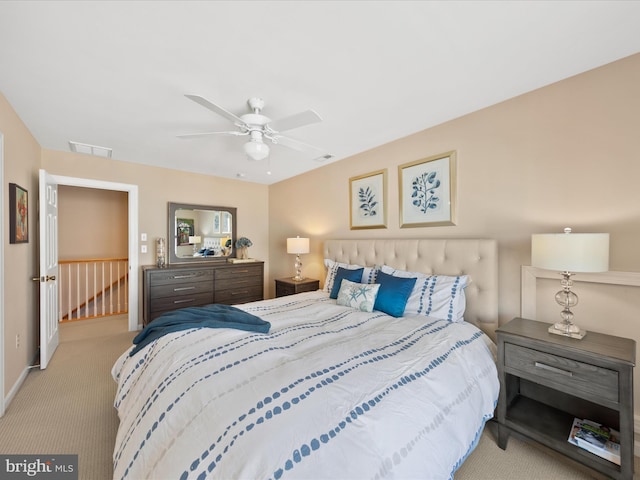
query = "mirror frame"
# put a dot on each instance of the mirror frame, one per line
(172, 229)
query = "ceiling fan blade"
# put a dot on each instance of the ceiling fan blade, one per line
(318, 153)
(294, 121)
(216, 109)
(204, 134)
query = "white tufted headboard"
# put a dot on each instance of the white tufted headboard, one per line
(477, 258)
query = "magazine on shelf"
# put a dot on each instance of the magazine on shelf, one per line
(597, 439)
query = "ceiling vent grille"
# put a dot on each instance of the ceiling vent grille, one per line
(95, 150)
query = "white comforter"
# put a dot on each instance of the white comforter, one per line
(329, 393)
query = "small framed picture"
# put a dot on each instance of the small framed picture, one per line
(18, 214)
(368, 206)
(217, 222)
(428, 191)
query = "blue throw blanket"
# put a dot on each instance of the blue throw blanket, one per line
(209, 316)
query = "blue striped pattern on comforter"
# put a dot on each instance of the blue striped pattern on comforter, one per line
(330, 392)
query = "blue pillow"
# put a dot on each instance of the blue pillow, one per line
(342, 273)
(393, 294)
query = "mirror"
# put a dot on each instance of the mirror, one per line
(201, 233)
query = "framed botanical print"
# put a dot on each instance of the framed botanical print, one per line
(368, 206)
(428, 191)
(18, 214)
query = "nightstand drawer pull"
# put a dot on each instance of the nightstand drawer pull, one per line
(544, 366)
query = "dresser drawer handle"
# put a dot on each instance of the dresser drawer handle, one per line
(240, 293)
(553, 369)
(185, 301)
(183, 276)
(182, 289)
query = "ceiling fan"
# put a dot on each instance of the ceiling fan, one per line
(259, 127)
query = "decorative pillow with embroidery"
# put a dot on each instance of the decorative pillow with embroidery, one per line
(361, 296)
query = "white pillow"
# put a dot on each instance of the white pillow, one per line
(368, 274)
(361, 296)
(435, 296)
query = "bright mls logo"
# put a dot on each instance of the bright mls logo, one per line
(49, 467)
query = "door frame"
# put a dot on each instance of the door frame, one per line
(2, 349)
(132, 203)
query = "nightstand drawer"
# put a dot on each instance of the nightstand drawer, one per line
(289, 286)
(591, 380)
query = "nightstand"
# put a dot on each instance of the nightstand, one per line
(288, 286)
(548, 380)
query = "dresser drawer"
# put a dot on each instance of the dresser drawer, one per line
(181, 289)
(239, 294)
(166, 304)
(175, 277)
(578, 377)
(238, 275)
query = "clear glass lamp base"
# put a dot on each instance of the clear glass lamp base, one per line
(567, 330)
(567, 299)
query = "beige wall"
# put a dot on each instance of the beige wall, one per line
(564, 155)
(92, 223)
(21, 163)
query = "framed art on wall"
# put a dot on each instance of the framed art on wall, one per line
(18, 214)
(428, 191)
(367, 197)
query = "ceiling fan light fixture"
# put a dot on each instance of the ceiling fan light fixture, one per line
(256, 149)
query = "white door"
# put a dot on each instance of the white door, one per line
(48, 267)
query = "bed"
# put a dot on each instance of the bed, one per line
(331, 390)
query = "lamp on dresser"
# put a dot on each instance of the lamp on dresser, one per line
(569, 253)
(298, 246)
(195, 241)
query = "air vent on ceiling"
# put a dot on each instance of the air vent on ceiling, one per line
(90, 149)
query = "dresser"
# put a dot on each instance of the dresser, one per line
(180, 285)
(548, 380)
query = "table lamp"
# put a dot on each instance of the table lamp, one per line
(298, 246)
(569, 253)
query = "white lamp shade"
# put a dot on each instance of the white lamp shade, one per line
(571, 252)
(195, 239)
(297, 245)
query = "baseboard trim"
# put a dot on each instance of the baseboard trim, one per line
(16, 387)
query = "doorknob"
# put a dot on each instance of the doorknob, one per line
(43, 278)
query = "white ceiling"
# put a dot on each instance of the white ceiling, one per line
(115, 73)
